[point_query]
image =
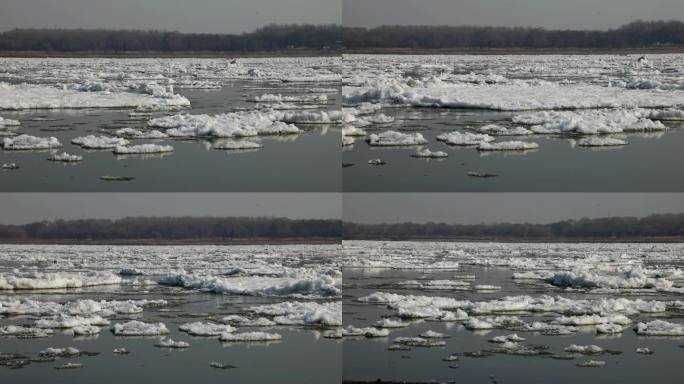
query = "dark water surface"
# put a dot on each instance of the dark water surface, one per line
(650, 163)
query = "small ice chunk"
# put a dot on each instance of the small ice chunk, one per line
(199, 328)
(65, 157)
(659, 328)
(427, 153)
(507, 146)
(142, 149)
(139, 328)
(465, 139)
(394, 138)
(170, 343)
(99, 142)
(601, 142)
(250, 336)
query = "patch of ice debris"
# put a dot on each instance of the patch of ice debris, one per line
(507, 146)
(499, 130)
(271, 98)
(142, 149)
(394, 138)
(68, 321)
(391, 323)
(644, 351)
(30, 96)
(349, 130)
(4, 123)
(65, 157)
(132, 133)
(609, 328)
(170, 343)
(428, 154)
(243, 321)
(592, 364)
(139, 328)
(351, 331)
(465, 138)
(250, 336)
(584, 349)
(659, 328)
(25, 332)
(59, 352)
(99, 142)
(28, 142)
(601, 142)
(230, 145)
(85, 330)
(302, 313)
(199, 328)
(55, 280)
(418, 342)
(633, 278)
(507, 338)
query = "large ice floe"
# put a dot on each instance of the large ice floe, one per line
(30, 96)
(234, 124)
(28, 142)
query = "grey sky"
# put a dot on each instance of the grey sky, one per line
(21, 208)
(475, 208)
(576, 14)
(216, 16)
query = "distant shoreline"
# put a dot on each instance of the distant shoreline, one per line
(172, 55)
(180, 242)
(515, 51)
(677, 49)
(664, 239)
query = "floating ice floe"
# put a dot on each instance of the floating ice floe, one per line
(234, 124)
(498, 130)
(349, 130)
(250, 336)
(64, 321)
(592, 364)
(99, 142)
(427, 153)
(139, 328)
(391, 323)
(271, 98)
(609, 328)
(644, 351)
(465, 139)
(142, 149)
(394, 138)
(9, 166)
(429, 334)
(65, 157)
(199, 328)
(302, 313)
(351, 331)
(247, 321)
(507, 338)
(28, 142)
(170, 343)
(25, 96)
(507, 146)
(4, 123)
(55, 280)
(131, 133)
(235, 145)
(317, 117)
(59, 352)
(86, 330)
(590, 122)
(584, 349)
(305, 283)
(418, 342)
(377, 161)
(601, 142)
(634, 278)
(24, 332)
(659, 328)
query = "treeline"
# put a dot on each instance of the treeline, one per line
(637, 34)
(173, 228)
(272, 37)
(624, 228)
